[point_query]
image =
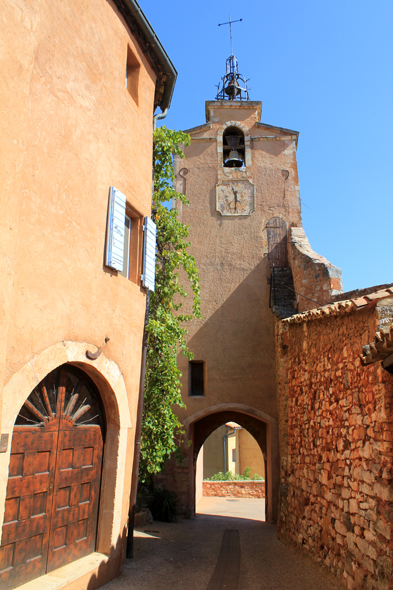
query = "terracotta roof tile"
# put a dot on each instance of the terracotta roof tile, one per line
(380, 294)
(360, 302)
(340, 307)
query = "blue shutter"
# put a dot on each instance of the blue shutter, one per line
(149, 254)
(116, 230)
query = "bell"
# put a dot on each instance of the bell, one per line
(233, 88)
(233, 161)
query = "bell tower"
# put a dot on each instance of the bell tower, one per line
(240, 176)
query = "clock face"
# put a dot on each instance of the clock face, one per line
(235, 198)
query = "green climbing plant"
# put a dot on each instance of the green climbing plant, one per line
(161, 428)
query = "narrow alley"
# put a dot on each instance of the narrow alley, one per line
(216, 552)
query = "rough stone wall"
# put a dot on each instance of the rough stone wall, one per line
(315, 278)
(336, 435)
(234, 489)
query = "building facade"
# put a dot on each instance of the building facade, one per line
(80, 83)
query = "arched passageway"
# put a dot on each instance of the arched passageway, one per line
(230, 468)
(231, 448)
(264, 433)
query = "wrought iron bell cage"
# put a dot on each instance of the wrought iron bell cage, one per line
(233, 86)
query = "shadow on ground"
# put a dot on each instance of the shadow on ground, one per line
(183, 555)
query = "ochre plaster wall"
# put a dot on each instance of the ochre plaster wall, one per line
(70, 132)
(82, 133)
(236, 335)
(213, 452)
(336, 433)
(250, 454)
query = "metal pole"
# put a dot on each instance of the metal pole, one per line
(138, 432)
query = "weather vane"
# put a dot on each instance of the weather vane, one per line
(233, 85)
(230, 22)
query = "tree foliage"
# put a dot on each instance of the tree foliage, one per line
(161, 428)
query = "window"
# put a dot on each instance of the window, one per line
(132, 74)
(197, 378)
(124, 237)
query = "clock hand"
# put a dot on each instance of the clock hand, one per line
(236, 199)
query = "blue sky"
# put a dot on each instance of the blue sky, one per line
(323, 69)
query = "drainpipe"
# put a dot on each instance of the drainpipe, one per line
(158, 117)
(138, 433)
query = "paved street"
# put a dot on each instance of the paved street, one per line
(191, 555)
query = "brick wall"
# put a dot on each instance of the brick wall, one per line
(236, 489)
(336, 434)
(314, 277)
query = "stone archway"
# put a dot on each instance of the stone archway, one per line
(262, 427)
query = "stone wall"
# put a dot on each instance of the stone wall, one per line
(314, 277)
(234, 489)
(336, 434)
(176, 478)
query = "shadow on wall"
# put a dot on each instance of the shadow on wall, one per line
(237, 342)
(112, 568)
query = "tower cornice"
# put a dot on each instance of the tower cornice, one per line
(255, 105)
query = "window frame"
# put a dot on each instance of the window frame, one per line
(190, 379)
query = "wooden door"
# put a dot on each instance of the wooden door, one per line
(76, 491)
(28, 506)
(53, 486)
(277, 242)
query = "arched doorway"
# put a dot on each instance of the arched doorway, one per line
(54, 475)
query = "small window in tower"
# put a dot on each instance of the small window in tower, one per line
(132, 74)
(197, 378)
(233, 148)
